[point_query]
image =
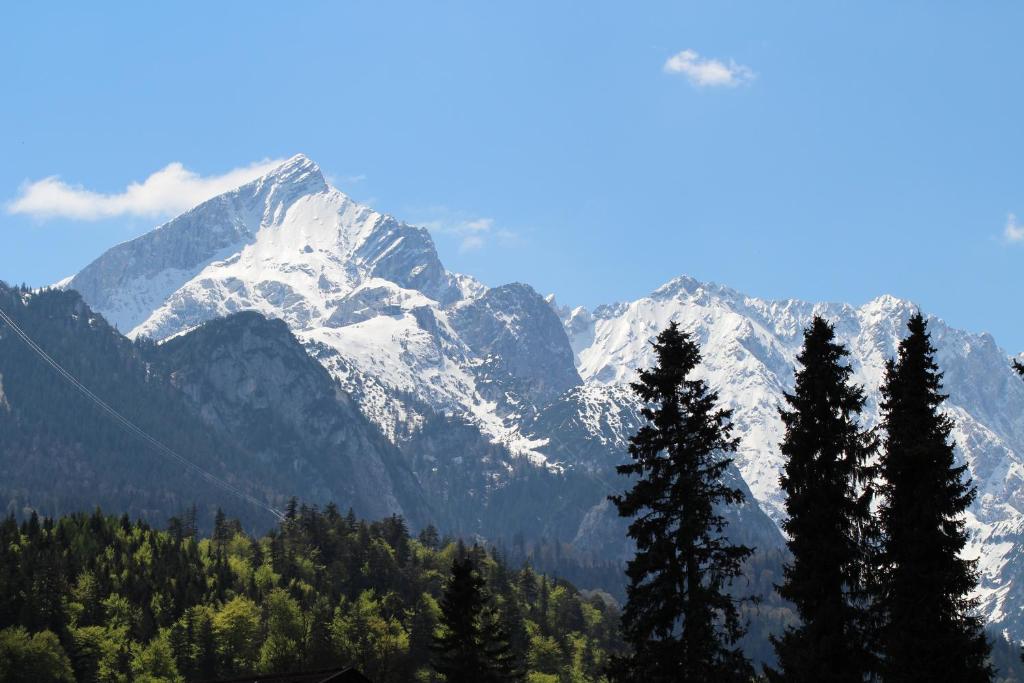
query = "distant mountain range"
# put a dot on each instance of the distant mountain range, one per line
(493, 411)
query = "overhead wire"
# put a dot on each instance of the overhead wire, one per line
(131, 427)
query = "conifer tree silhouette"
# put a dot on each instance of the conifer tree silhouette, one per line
(682, 624)
(828, 501)
(930, 630)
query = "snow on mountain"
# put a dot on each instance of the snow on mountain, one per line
(750, 347)
(365, 291)
(369, 298)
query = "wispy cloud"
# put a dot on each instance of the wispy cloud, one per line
(343, 181)
(472, 233)
(1014, 231)
(705, 72)
(169, 191)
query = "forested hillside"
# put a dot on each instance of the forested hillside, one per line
(103, 598)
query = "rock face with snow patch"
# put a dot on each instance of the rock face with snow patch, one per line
(132, 280)
(250, 379)
(521, 343)
(341, 276)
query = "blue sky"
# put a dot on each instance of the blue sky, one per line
(821, 150)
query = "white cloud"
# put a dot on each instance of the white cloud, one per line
(345, 180)
(1014, 231)
(472, 233)
(478, 225)
(705, 72)
(471, 243)
(167, 192)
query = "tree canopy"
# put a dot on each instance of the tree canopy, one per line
(91, 597)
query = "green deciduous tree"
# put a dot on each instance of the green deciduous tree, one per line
(365, 636)
(281, 650)
(237, 627)
(32, 658)
(154, 663)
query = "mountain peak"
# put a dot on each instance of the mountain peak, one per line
(889, 305)
(680, 283)
(686, 286)
(299, 170)
(298, 161)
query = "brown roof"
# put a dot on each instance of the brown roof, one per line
(343, 675)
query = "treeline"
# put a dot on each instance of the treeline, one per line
(100, 598)
(875, 524)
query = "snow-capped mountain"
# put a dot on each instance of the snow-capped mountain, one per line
(366, 292)
(416, 345)
(750, 347)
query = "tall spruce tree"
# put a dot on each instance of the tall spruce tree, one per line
(828, 501)
(930, 629)
(472, 647)
(680, 621)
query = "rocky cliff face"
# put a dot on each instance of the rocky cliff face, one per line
(250, 379)
(525, 357)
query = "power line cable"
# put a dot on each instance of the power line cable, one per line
(131, 427)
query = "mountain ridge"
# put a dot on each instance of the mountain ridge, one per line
(369, 298)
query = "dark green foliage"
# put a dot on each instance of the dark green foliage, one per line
(829, 519)
(472, 645)
(32, 658)
(681, 622)
(429, 537)
(323, 589)
(930, 631)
